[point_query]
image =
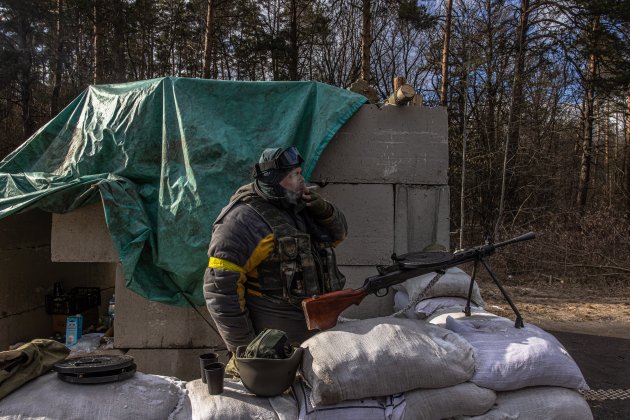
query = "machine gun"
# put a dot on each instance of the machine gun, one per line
(322, 311)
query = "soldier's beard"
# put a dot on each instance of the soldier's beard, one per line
(293, 197)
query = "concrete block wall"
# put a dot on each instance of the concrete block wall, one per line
(388, 145)
(141, 323)
(163, 339)
(387, 170)
(27, 274)
(82, 236)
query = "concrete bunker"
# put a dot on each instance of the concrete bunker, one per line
(386, 168)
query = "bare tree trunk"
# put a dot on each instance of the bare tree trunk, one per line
(274, 51)
(366, 40)
(596, 143)
(490, 120)
(607, 151)
(228, 69)
(293, 39)
(463, 108)
(208, 43)
(97, 44)
(80, 51)
(58, 65)
(144, 42)
(445, 49)
(587, 140)
(142, 67)
(25, 45)
(627, 153)
(215, 64)
(517, 93)
(514, 114)
(462, 206)
(118, 42)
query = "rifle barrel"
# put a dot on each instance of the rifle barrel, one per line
(523, 237)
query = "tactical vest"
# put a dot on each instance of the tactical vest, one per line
(301, 264)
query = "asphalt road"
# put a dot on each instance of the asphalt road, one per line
(605, 363)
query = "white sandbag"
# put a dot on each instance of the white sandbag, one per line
(439, 317)
(539, 403)
(139, 397)
(508, 358)
(381, 408)
(428, 307)
(383, 356)
(435, 404)
(237, 403)
(454, 283)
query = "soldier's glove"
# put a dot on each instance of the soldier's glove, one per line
(317, 206)
(231, 369)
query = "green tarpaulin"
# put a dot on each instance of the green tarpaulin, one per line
(164, 156)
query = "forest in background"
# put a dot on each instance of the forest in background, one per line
(538, 93)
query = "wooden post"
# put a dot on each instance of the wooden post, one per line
(398, 82)
(403, 93)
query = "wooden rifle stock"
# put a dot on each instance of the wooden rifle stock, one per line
(322, 311)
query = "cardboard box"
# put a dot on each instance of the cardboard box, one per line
(59, 323)
(74, 329)
(90, 317)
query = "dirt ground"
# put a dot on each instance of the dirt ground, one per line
(592, 322)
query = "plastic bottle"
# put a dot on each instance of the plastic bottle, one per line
(111, 310)
(58, 289)
(58, 303)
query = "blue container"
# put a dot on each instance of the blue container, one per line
(74, 329)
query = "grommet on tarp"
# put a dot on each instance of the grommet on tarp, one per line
(95, 369)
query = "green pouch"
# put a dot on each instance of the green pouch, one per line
(269, 344)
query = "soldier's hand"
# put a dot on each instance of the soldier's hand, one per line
(316, 205)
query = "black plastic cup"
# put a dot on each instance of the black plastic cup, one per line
(215, 372)
(205, 360)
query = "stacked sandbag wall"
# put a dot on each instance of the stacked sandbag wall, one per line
(532, 374)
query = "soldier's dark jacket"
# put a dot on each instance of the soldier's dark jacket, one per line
(240, 283)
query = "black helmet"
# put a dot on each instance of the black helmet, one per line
(267, 377)
(281, 160)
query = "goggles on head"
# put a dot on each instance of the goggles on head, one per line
(289, 158)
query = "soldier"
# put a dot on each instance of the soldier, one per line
(271, 247)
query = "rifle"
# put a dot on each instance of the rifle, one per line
(322, 311)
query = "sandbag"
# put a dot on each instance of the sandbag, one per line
(426, 308)
(509, 358)
(454, 283)
(382, 408)
(439, 317)
(237, 403)
(435, 404)
(383, 356)
(139, 397)
(539, 403)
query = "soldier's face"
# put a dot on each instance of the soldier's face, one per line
(294, 181)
